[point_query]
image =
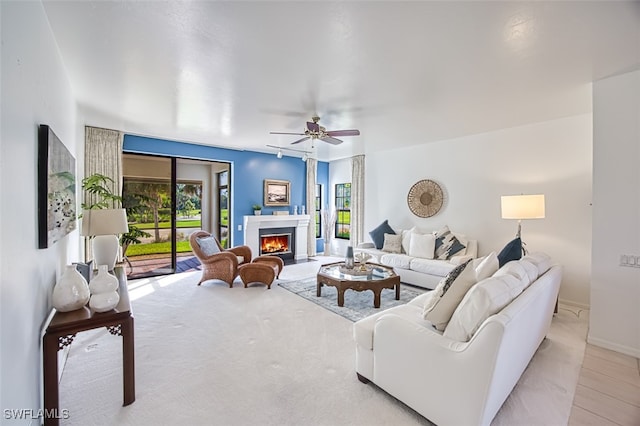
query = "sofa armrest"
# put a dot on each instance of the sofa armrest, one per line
(434, 374)
(366, 246)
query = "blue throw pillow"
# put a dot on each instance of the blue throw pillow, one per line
(208, 245)
(377, 235)
(512, 251)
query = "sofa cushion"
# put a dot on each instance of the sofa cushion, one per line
(524, 272)
(208, 245)
(449, 293)
(406, 239)
(377, 234)
(439, 268)
(481, 301)
(392, 243)
(393, 260)
(363, 329)
(422, 245)
(541, 260)
(512, 251)
(422, 299)
(530, 268)
(486, 266)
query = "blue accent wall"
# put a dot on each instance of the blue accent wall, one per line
(322, 177)
(249, 169)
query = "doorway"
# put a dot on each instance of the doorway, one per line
(167, 199)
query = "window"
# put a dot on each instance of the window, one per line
(343, 211)
(223, 203)
(318, 206)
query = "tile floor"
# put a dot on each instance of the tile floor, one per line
(608, 390)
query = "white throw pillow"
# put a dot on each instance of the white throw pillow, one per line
(487, 266)
(422, 245)
(406, 239)
(448, 294)
(392, 243)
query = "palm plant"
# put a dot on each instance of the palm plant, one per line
(101, 187)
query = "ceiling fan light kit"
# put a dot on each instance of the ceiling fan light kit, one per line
(315, 131)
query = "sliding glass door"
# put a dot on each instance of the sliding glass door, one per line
(167, 199)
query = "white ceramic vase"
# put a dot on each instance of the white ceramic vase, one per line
(104, 294)
(71, 292)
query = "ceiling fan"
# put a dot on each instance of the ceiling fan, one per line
(315, 131)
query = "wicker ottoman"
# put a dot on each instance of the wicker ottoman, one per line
(262, 269)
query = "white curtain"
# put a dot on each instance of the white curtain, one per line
(312, 168)
(102, 154)
(357, 200)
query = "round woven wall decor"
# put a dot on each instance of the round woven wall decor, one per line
(425, 198)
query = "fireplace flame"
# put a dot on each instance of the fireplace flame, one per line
(274, 244)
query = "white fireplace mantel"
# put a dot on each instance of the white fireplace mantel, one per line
(253, 224)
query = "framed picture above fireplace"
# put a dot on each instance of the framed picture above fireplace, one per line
(277, 193)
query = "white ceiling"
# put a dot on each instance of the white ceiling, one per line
(403, 73)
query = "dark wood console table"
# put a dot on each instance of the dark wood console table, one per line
(62, 330)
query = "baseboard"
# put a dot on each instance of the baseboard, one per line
(634, 352)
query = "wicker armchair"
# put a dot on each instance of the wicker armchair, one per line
(219, 266)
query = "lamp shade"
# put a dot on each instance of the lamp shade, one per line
(522, 206)
(104, 222)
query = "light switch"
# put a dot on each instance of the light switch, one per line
(239, 227)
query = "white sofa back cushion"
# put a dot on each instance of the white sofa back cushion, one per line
(481, 301)
(516, 269)
(541, 260)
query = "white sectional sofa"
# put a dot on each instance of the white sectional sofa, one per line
(463, 375)
(416, 269)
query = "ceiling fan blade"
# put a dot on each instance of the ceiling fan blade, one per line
(300, 140)
(313, 127)
(344, 133)
(286, 133)
(331, 140)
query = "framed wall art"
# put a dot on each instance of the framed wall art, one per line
(277, 192)
(56, 188)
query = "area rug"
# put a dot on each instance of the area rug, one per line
(357, 304)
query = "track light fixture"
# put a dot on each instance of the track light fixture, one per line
(305, 154)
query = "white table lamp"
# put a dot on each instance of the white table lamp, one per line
(104, 225)
(522, 207)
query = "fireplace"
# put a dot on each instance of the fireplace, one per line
(279, 242)
(254, 226)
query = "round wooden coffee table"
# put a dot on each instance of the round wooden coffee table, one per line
(334, 275)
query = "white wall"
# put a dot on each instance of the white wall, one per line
(35, 90)
(615, 290)
(553, 158)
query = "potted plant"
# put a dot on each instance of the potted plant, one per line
(257, 209)
(100, 185)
